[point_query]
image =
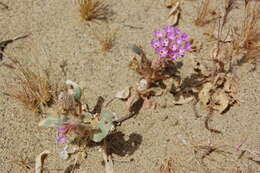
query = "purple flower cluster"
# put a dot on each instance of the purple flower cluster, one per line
(170, 42)
(61, 139)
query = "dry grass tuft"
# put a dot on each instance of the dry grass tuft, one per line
(29, 88)
(105, 38)
(166, 167)
(202, 13)
(94, 9)
(249, 37)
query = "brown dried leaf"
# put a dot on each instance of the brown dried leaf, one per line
(174, 14)
(174, 9)
(132, 100)
(231, 86)
(123, 94)
(172, 20)
(219, 79)
(39, 161)
(148, 104)
(134, 64)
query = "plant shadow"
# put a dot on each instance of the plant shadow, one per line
(116, 143)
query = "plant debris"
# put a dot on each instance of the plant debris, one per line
(39, 162)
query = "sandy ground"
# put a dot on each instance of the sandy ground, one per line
(59, 35)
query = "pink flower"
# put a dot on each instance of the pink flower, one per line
(170, 42)
(61, 130)
(162, 51)
(171, 36)
(61, 139)
(187, 46)
(168, 28)
(164, 42)
(173, 46)
(257, 153)
(159, 33)
(155, 43)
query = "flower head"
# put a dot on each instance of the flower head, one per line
(170, 42)
(61, 130)
(155, 43)
(162, 51)
(159, 33)
(61, 139)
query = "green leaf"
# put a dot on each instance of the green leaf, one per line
(52, 121)
(104, 126)
(77, 93)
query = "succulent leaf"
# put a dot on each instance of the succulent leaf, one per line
(52, 121)
(104, 126)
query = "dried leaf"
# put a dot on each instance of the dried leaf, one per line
(183, 100)
(219, 79)
(174, 9)
(174, 14)
(40, 161)
(149, 104)
(109, 167)
(123, 94)
(134, 64)
(142, 85)
(172, 20)
(230, 86)
(222, 100)
(132, 100)
(204, 94)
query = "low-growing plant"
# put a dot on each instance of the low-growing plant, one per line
(169, 44)
(105, 37)
(31, 89)
(77, 119)
(94, 10)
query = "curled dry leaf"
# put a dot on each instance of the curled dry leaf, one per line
(222, 101)
(204, 94)
(174, 14)
(183, 100)
(123, 94)
(132, 100)
(219, 79)
(148, 104)
(134, 64)
(231, 86)
(142, 85)
(39, 161)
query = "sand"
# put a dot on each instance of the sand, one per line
(59, 35)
